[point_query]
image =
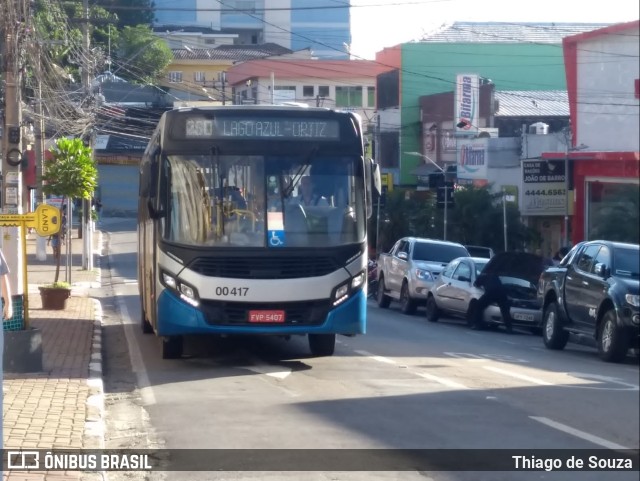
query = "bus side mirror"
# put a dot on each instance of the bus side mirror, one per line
(153, 212)
(373, 184)
(376, 180)
(154, 169)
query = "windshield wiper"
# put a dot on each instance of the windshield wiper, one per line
(219, 195)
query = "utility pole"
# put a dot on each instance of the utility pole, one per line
(39, 147)
(13, 27)
(87, 254)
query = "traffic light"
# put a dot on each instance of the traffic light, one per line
(441, 193)
(435, 180)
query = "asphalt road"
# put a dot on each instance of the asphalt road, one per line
(406, 384)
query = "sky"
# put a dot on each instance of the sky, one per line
(376, 24)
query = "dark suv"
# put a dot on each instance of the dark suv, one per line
(593, 291)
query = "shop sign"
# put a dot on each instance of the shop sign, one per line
(543, 187)
(472, 159)
(467, 102)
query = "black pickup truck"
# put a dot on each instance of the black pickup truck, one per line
(593, 291)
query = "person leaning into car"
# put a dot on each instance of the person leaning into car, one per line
(493, 292)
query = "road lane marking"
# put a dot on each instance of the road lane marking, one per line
(386, 360)
(137, 364)
(602, 379)
(431, 377)
(273, 371)
(441, 380)
(522, 377)
(580, 434)
(465, 355)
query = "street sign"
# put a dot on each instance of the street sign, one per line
(46, 220)
(441, 194)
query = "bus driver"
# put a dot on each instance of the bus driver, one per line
(306, 195)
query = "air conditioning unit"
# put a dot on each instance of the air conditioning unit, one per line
(488, 132)
(539, 128)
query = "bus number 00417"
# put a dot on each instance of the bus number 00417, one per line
(232, 291)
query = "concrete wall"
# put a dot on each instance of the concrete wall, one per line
(607, 111)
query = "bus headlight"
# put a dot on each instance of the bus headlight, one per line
(343, 291)
(168, 281)
(184, 291)
(358, 281)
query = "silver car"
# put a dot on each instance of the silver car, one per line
(454, 292)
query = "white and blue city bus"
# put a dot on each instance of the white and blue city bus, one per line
(226, 246)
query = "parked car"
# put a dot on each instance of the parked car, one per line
(454, 292)
(594, 291)
(480, 251)
(409, 269)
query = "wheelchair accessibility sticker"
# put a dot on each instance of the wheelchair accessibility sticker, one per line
(276, 238)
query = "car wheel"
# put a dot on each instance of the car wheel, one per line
(471, 317)
(407, 305)
(322, 344)
(553, 335)
(172, 347)
(382, 298)
(433, 313)
(612, 345)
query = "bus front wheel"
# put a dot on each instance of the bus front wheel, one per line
(322, 344)
(172, 347)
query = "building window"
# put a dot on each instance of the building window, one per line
(198, 76)
(371, 96)
(323, 91)
(175, 77)
(284, 93)
(612, 209)
(307, 90)
(348, 96)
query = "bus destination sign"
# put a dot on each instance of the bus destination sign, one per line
(262, 128)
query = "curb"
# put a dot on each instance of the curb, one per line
(94, 428)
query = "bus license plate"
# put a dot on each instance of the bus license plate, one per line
(266, 316)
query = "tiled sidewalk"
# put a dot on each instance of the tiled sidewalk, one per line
(62, 406)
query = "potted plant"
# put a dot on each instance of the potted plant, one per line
(71, 173)
(54, 296)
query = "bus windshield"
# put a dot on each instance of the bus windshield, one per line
(263, 200)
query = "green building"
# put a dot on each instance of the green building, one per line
(512, 56)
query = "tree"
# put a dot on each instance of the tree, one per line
(59, 29)
(478, 219)
(131, 12)
(142, 56)
(71, 173)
